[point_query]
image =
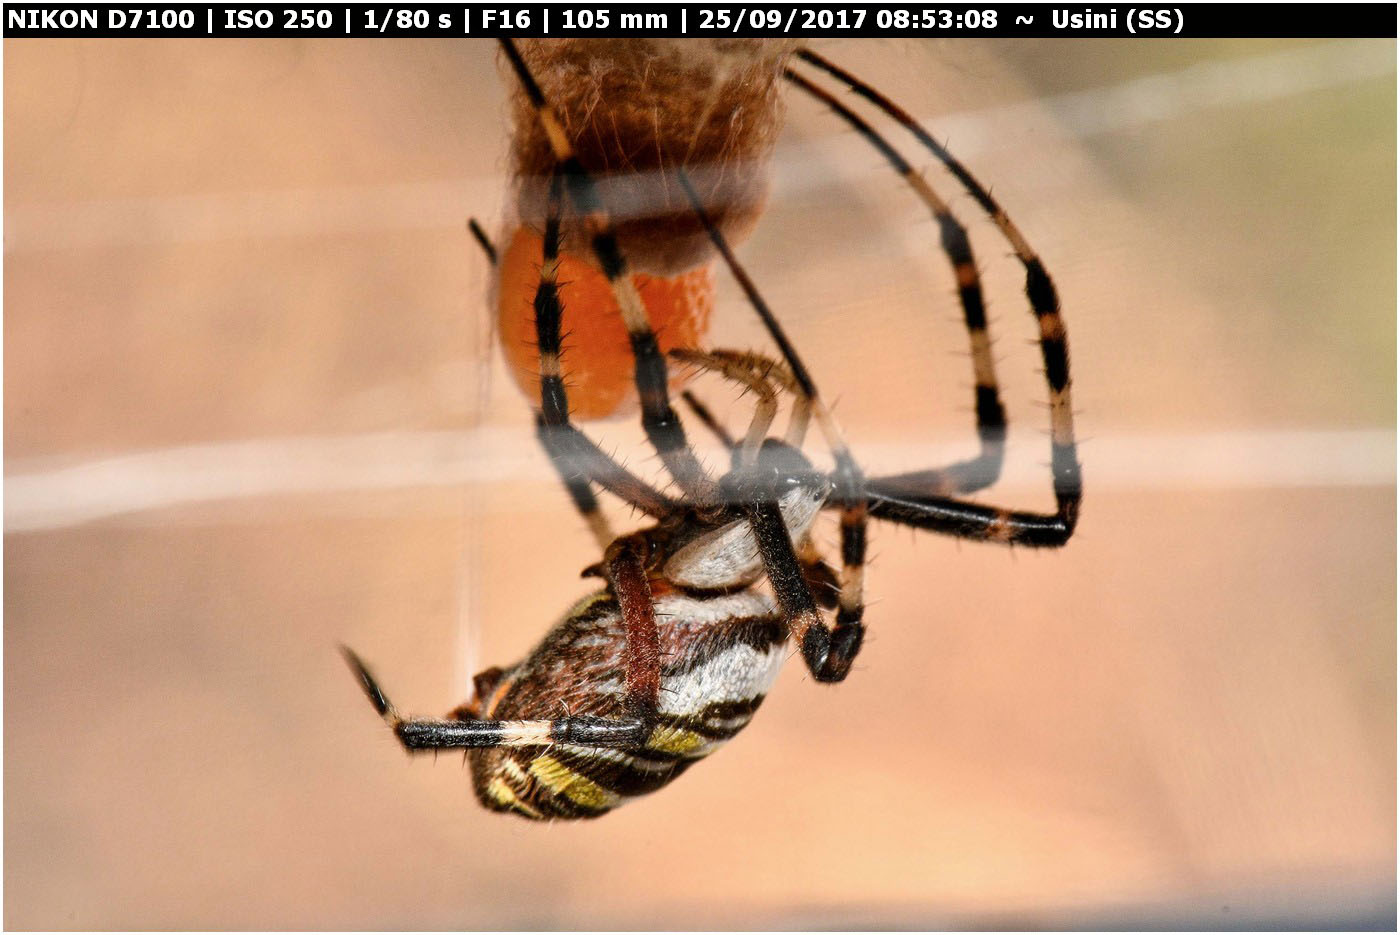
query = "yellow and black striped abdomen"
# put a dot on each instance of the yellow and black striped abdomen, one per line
(720, 657)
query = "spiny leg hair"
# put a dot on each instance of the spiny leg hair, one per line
(985, 468)
(662, 424)
(575, 457)
(827, 651)
(898, 498)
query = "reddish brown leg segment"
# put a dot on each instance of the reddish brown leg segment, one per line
(626, 572)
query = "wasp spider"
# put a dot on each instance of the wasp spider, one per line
(697, 611)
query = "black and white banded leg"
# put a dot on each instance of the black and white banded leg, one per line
(624, 568)
(418, 734)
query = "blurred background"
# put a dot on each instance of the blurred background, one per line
(253, 410)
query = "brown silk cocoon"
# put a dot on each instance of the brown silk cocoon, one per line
(637, 108)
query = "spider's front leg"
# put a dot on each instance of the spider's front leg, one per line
(800, 583)
(925, 499)
(660, 422)
(828, 651)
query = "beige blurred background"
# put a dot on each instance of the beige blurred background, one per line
(252, 410)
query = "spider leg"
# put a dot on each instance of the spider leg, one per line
(918, 499)
(435, 734)
(562, 452)
(828, 651)
(764, 412)
(624, 566)
(663, 427)
(577, 459)
(483, 240)
(707, 418)
(985, 468)
(625, 569)
(768, 369)
(764, 369)
(821, 577)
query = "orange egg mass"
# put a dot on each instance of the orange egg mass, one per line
(597, 357)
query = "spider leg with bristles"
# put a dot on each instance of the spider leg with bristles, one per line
(764, 368)
(767, 368)
(661, 423)
(827, 651)
(737, 371)
(984, 469)
(574, 455)
(577, 459)
(920, 498)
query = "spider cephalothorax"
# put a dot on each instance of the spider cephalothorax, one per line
(672, 656)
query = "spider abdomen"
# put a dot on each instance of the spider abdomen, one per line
(720, 655)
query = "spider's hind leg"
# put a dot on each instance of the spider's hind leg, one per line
(417, 734)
